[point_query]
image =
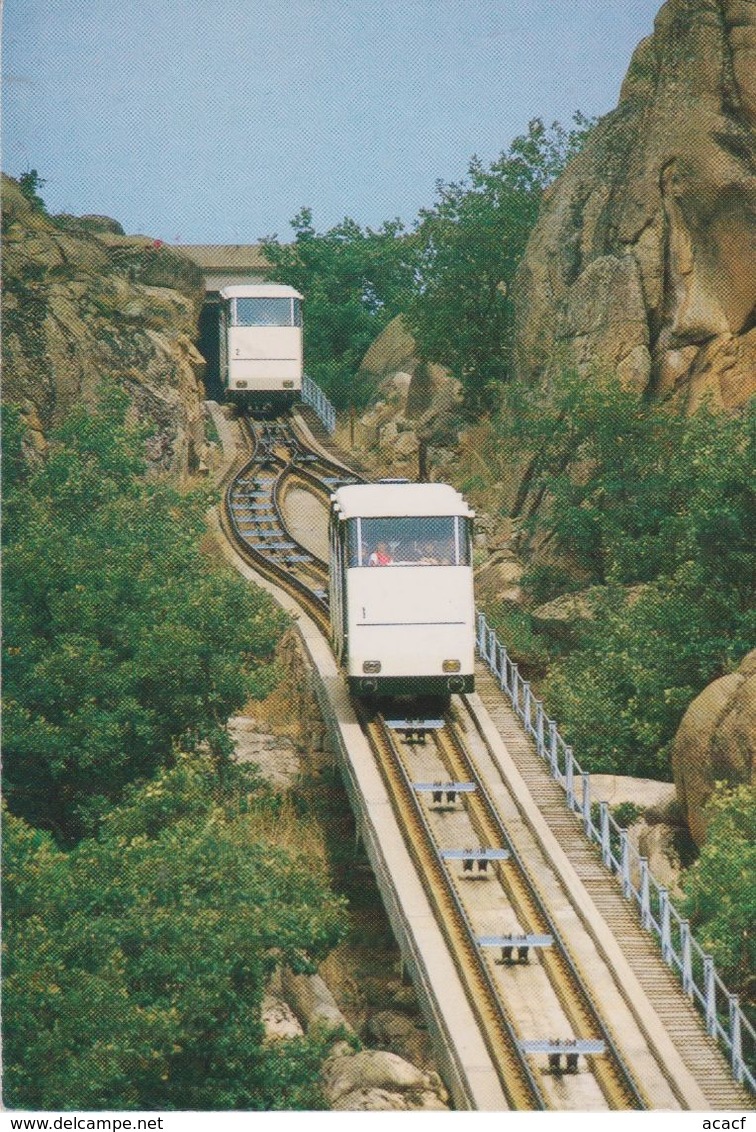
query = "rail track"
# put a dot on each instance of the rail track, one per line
(552, 1046)
(535, 965)
(254, 509)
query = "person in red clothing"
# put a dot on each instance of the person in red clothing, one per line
(380, 556)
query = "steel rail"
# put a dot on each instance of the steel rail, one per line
(617, 1084)
(517, 1079)
(276, 446)
(262, 445)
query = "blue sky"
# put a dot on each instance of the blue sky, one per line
(216, 120)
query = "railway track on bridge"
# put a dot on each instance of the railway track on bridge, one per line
(459, 846)
(550, 1042)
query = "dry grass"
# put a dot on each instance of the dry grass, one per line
(284, 827)
(486, 472)
(275, 713)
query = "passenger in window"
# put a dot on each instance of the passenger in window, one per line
(380, 556)
(429, 555)
(445, 553)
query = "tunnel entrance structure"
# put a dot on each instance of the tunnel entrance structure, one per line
(222, 265)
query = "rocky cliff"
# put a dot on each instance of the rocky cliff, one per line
(82, 301)
(644, 260)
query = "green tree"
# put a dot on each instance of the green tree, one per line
(720, 896)
(642, 657)
(135, 964)
(30, 184)
(634, 488)
(653, 511)
(120, 638)
(354, 281)
(470, 245)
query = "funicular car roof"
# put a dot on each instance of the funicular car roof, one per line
(260, 291)
(384, 500)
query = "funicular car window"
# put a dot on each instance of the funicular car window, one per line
(409, 541)
(263, 312)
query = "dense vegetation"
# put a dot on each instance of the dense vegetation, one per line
(355, 281)
(136, 962)
(450, 275)
(97, 556)
(651, 511)
(720, 896)
(144, 901)
(470, 244)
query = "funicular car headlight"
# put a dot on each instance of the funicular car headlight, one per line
(288, 385)
(372, 666)
(451, 666)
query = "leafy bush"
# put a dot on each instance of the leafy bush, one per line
(135, 964)
(657, 508)
(514, 625)
(30, 183)
(121, 639)
(625, 813)
(635, 488)
(620, 697)
(470, 245)
(720, 896)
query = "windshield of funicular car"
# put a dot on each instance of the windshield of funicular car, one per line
(442, 540)
(268, 312)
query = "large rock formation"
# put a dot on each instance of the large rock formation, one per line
(82, 301)
(412, 428)
(644, 261)
(375, 1080)
(716, 742)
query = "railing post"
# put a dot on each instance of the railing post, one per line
(553, 751)
(710, 995)
(627, 889)
(491, 649)
(606, 845)
(687, 958)
(735, 1040)
(666, 932)
(515, 689)
(501, 668)
(526, 707)
(314, 396)
(587, 823)
(539, 728)
(645, 894)
(569, 770)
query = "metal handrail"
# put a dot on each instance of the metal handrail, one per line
(680, 951)
(314, 396)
